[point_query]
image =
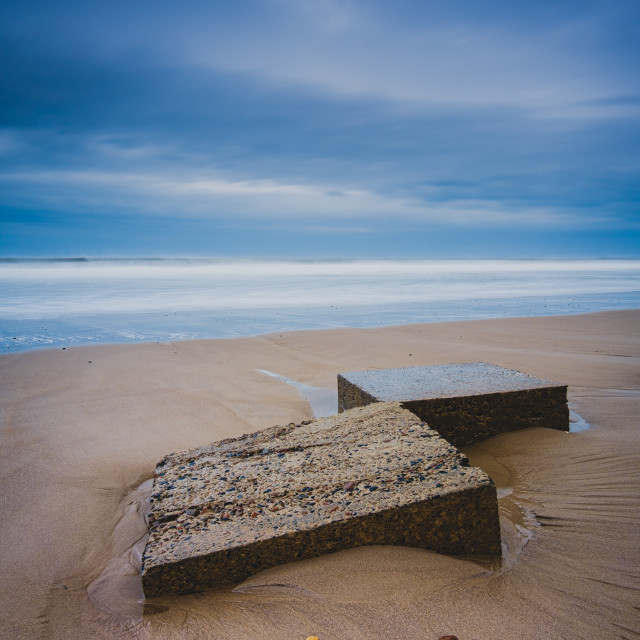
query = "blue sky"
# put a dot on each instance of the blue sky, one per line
(320, 128)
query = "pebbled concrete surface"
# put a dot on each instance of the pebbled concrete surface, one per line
(371, 475)
(465, 403)
(442, 381)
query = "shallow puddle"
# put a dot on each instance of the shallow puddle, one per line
(576, 421)
(323, 402)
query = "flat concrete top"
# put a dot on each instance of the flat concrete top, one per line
(442, 381)
(291, 478)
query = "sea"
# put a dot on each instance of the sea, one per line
(59, 303)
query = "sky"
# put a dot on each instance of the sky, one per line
(320, 128)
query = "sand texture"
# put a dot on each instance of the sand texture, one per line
(83, 428)
(371, 475)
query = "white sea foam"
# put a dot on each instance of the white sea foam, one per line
(61, 302)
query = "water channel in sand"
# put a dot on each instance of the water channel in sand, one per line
(323, 402)
(118, 590)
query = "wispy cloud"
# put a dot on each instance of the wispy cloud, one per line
(453, 58)
(219, 198)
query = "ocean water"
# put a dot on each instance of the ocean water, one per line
(60, 303)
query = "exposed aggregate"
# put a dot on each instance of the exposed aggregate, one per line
(293, 478)
(465, 403)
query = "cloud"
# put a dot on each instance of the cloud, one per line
(355, 115)
(219, 198)
(541, 62)
(542, 57)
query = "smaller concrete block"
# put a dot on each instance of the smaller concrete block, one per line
(465, 403)
(372, 475)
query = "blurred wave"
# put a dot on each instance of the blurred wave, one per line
(61, 302)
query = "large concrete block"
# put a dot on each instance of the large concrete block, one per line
(465, 403)
(371, 475)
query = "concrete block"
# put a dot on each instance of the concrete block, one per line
(370, 475)
(465, 403)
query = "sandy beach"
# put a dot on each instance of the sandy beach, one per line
(82, 430)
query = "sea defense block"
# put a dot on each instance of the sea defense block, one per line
(371, 475)
(465, 403)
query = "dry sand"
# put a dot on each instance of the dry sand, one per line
(83, 428)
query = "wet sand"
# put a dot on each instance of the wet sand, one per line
(82, 429)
